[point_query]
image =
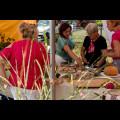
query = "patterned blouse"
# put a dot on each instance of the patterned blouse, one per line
(61, 42)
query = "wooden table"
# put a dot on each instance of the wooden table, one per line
(62, 91)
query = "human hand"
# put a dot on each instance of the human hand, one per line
(85, 61)
(110, 50)
(6, 85)
(79, 62)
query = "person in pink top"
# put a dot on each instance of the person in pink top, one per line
(114, 25)
(23, 56)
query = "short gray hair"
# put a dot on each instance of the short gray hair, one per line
(91, 27)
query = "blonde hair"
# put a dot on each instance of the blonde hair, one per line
(91, 27)
(116, 22)
(27, 30)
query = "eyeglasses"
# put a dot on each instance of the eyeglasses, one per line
(89, 34)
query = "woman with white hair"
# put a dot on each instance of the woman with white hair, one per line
(93, 45)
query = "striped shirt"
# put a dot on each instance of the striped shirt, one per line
(61, 42)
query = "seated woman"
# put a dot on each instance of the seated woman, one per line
(64, 46)
(93, 46)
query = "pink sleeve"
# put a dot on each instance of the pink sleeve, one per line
(116, 37)
(6, 53)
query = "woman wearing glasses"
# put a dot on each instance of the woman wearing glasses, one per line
(93, 46)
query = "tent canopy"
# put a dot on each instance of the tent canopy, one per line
(9, 28)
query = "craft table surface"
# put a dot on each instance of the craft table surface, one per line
(62, 91)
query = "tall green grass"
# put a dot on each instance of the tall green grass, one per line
(45, 91)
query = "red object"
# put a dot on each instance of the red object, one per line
(15, 56)
(109, 86)
(92, 47)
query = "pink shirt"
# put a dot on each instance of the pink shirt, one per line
(15, 56)
(115, 36)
